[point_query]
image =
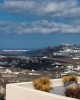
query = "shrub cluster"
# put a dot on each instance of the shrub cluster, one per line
(42, 84)
(69, 78)
(73, 92)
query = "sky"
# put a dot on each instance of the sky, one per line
(28, 24)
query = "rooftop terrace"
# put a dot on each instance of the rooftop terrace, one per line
(26, 91)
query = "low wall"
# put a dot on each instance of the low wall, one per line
(25, 91)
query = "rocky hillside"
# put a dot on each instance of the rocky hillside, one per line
(67, 50)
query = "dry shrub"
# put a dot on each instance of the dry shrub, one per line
(69, 78)
(72, 92)
(42, 84)
(73, 78)
(66, 79)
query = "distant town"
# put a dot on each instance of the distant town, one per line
(63, 50)
(52, 62)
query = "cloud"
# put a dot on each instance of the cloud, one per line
(41, 27)
(50, 8)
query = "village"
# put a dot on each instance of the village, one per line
(24, 69)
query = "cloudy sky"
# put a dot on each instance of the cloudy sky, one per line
(38, 23)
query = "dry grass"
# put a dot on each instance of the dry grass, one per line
(69, 78)
(42, 84)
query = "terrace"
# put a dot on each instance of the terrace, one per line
(26, 91)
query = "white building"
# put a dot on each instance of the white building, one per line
(70, 67)
(78, 67)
